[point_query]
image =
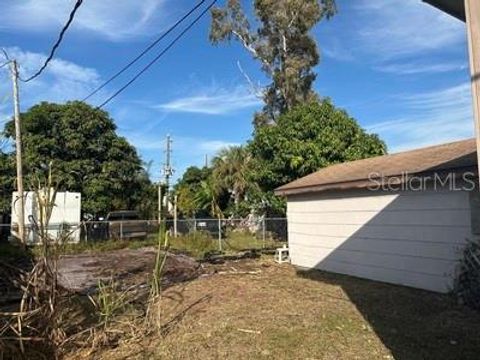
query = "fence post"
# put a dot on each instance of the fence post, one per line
(175, 216)
(263, 232)
(219, 234)
(121, 230)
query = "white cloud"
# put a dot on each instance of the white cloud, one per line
(213, 101)
(112, 19)
(456, 98)
(411, 68)
(431, 118)
(335, 50)
(61, 81)
(398, 28)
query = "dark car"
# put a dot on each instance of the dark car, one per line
(126, 224)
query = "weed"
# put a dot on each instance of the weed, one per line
(109, 301)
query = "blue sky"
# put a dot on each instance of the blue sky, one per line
(400, 67)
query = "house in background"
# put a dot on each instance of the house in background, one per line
(401, 218)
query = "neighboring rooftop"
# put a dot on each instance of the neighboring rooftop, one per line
(459, 156)
(455, 8)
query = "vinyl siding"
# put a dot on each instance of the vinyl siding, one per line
(407, 238)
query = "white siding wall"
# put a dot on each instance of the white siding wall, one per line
(407, 238)
(65, 212)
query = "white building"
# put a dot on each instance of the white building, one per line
(401, 218)
(65, 215)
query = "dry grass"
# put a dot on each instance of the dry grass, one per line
(258, 309)
(195, 244)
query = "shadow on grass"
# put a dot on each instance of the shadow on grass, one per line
(169, 326)
(413, 324)
(14, 261)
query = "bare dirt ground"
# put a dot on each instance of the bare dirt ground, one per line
(255, 309)
(82, 272)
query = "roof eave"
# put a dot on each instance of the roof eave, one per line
(365, 183)
(455, 8)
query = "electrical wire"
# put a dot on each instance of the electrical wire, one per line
(57, 43)
(170, 45)
(146, 50)
(5, 64)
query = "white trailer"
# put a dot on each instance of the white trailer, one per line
(65, 216)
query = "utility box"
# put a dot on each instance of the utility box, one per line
(65, 218)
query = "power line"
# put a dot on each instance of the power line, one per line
(5, 54)
(173, 42)
(57, 43)
(147, 49)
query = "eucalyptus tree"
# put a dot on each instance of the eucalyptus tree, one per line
(281, 42)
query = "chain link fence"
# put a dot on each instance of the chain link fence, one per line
(219, 234)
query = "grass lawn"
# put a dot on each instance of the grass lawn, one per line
(255, 309)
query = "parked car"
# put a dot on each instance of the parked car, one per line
(126, 224)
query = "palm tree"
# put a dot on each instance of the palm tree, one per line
(206, 198)
(230, 169)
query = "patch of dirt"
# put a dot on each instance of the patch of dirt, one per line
(257, 309)
(82, 272)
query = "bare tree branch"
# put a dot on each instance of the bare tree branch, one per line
(247, 45)
(257, 90)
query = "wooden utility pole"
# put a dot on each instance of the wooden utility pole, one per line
(472, 14)
(18, 150)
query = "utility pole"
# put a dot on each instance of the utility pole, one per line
(167, 168)
(18, 150)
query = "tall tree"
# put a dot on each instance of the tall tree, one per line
(187, 189)
(7, 181)
(281, 42)
(208, 198)
(309, 137)
(87, 154)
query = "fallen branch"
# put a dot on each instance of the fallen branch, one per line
(239, 272)
(248, 331)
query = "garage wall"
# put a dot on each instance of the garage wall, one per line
(408, 238)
